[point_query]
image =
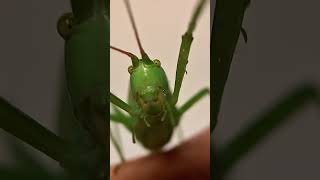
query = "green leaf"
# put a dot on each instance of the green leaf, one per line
(278, 115)
(227, 24)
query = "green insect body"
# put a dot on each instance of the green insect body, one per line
(86, 40)
(151, 105)
(86, 34)
(149, 93)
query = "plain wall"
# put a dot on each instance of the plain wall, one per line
(31, 65)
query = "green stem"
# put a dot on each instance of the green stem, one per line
(28, 130)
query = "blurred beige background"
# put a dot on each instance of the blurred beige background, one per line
(161, 25)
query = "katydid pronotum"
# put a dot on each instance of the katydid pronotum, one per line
(158, 24)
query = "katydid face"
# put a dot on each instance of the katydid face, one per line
(150, 100)
(149, 85)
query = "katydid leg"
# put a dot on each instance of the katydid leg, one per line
(194, 99)
(121, 104)
(184, 51)
(119, 117)
(117, 146)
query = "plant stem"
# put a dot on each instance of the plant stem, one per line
(30, 131)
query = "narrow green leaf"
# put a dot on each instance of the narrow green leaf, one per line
(278, 115)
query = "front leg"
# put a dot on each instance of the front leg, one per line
(121, 104)
(184, 51)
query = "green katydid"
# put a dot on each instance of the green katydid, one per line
(86, 32)
(152, 107)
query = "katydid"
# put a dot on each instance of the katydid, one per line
(86, 33)
(152, 106)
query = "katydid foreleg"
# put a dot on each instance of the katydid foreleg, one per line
(187, 39)
(118, 117)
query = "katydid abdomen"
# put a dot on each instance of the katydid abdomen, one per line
(155, 136)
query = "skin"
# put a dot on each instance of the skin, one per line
(188, 161)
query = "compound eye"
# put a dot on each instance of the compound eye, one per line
(130, 69)
(65, 25)
(157, 62)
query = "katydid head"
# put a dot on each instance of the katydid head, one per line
(148, 80)
(149, 86)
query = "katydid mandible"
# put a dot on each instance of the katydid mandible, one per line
(153, 114)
